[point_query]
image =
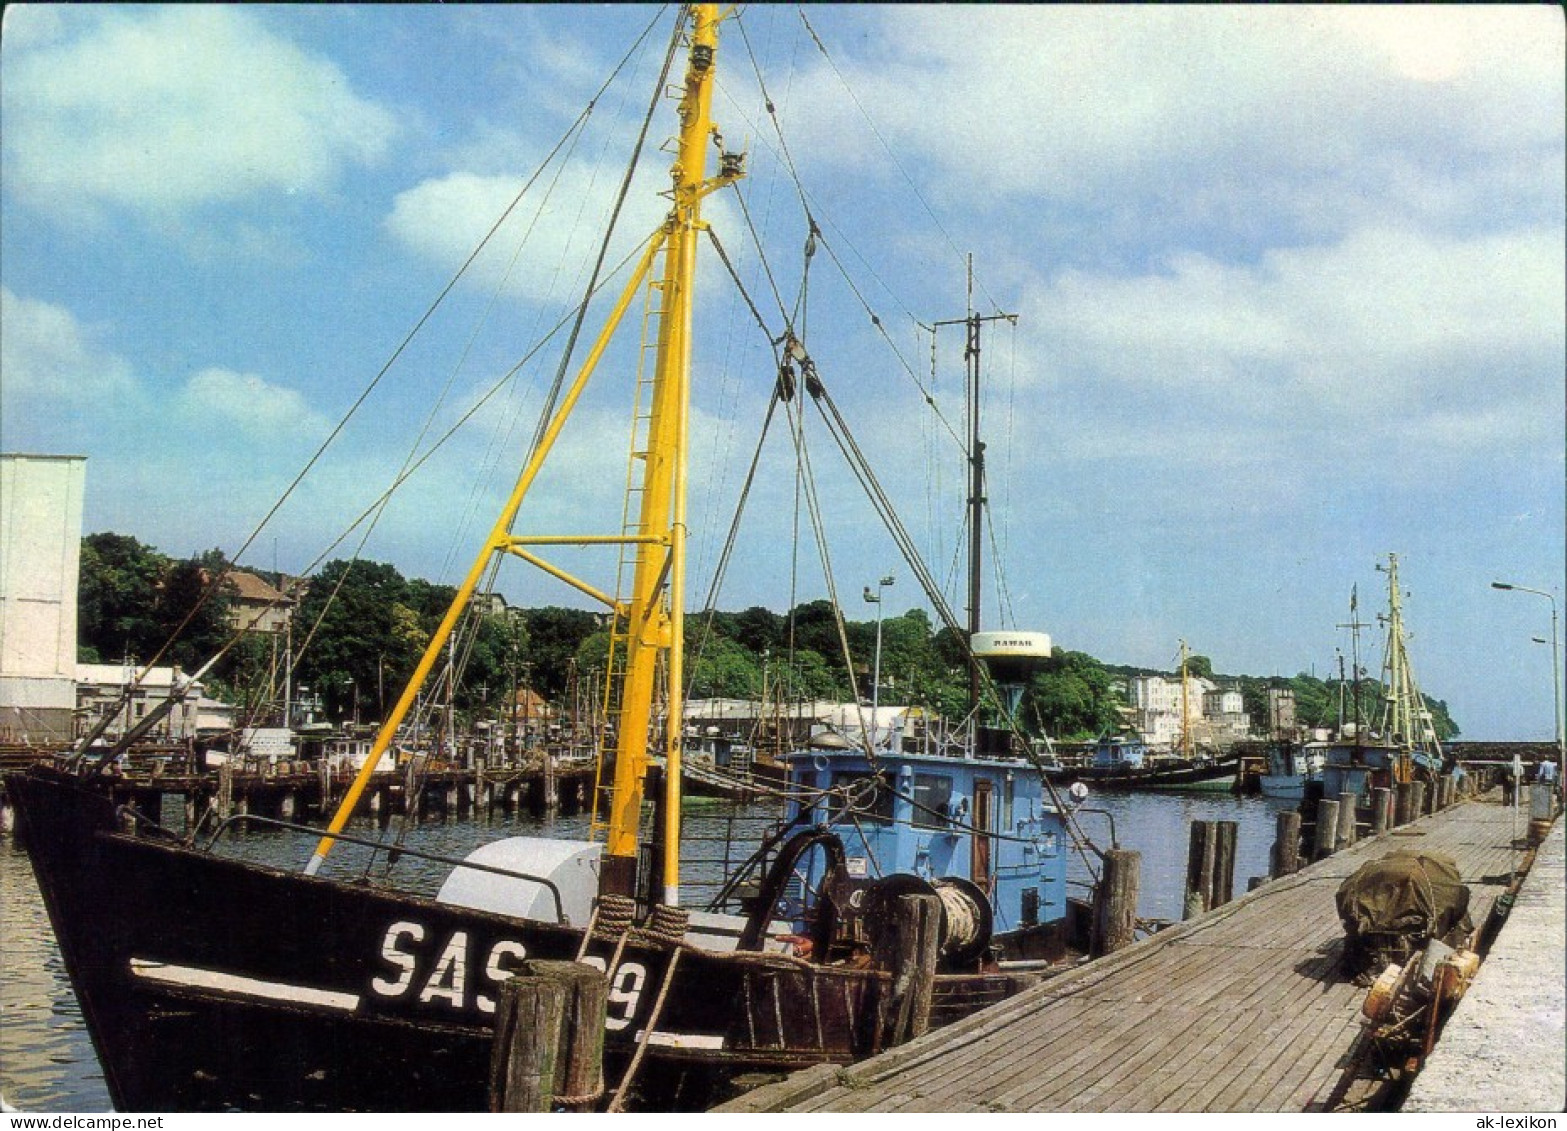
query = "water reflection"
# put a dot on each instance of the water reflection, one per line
(46, 1060)
(1159, 827)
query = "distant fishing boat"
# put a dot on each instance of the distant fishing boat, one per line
(1120, 762)
(208, 982)
(1405, 746)
(1291, 767)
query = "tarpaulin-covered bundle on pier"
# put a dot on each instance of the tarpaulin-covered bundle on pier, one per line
(1393, 906)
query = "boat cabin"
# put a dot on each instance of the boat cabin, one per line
(915, 811)
(1120, 752)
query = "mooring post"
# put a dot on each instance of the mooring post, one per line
(1115, 902)
(1201, 856)
(907, 947)
(1401, 799)
(1417, 800)
(1345, 835)
(1223, 888)
(528, 1020)
(1327, 829)
(1284, 860)
(551, 782)
(579, 1063)
(1381, 809)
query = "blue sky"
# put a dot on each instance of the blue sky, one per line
(1289, 286)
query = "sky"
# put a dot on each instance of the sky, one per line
(1287, 281)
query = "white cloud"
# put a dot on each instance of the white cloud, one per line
(443, 220)
(48, 358)
(559, 221)
(1087, 103)
(169, 107)
(1351, 326)
(222, 399)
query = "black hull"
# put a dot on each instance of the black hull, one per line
(1217, 774)
(213, 984)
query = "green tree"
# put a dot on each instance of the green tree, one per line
(555, 639)
(191, 615)
(117, 591)
(366, 633)
(722, 669)
(1074, 697)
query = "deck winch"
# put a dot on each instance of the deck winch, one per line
(966, 920)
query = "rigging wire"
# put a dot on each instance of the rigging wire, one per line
(871, 122)
(625, 187)
(838, 428)
(221, 576)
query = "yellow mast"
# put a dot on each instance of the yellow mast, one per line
(655, 611)
(1405, 724)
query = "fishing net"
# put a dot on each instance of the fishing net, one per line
(1392, 907)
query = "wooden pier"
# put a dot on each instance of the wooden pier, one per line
(1244, 1008)
(294, 790)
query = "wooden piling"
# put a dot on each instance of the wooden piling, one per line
(908, 947)
(1403, 794)
(1327, 829)
(1201, 853)
(1345, 834)
(1381, 810)
(1115, 902)
(528, 1019)
(1417, 800)
(579, 1064)
(1284, 860)
(1222, 889)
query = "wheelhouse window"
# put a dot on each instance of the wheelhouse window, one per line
(862, 797)
(932, 800)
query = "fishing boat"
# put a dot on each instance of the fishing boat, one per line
(210, 982)
(1122, 762)
(959, 812)
(1126, 762)
(1405, 746)
(1292, 767)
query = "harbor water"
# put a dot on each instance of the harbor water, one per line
(47, 1062)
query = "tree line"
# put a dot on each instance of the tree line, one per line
(360, 628)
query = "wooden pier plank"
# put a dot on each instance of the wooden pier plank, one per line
(1242, 1009)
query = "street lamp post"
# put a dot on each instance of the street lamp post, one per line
(1556, 679)
(875, 599)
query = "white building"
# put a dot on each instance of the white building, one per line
(1215, 714)
(99, 687)
(40, 556)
